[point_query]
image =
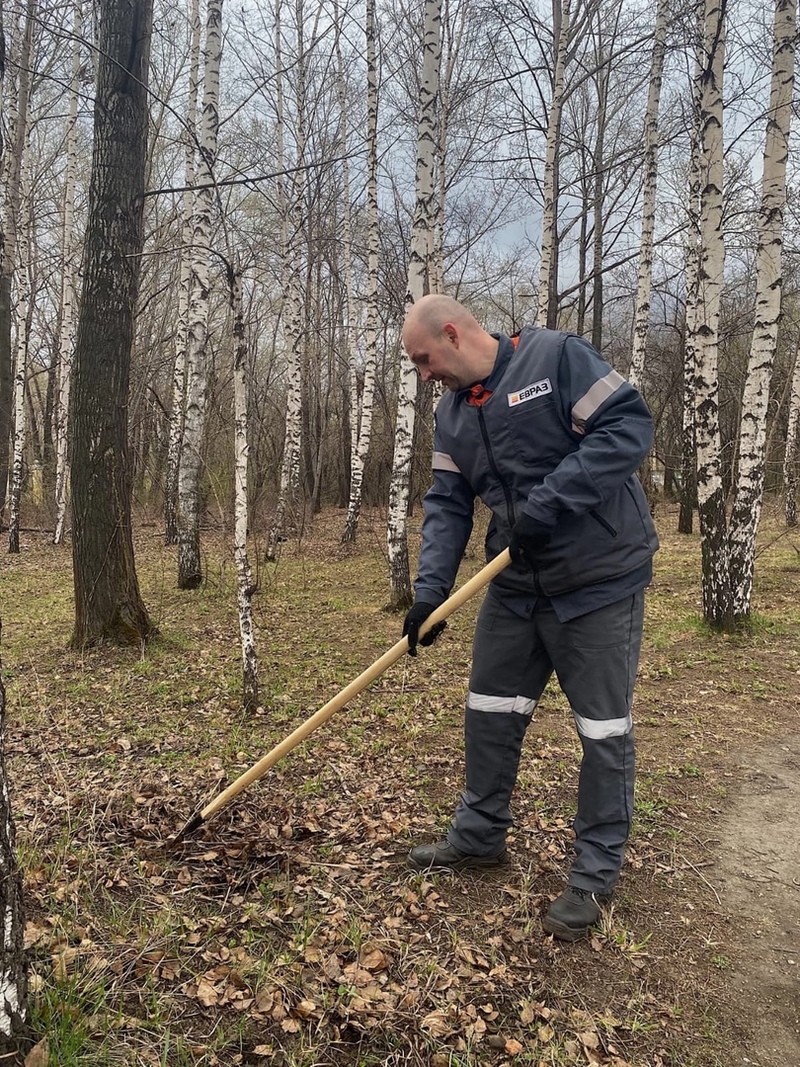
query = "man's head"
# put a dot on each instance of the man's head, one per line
(447, 344)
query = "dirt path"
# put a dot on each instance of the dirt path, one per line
(759, 879)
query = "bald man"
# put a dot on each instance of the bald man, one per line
(549, 436)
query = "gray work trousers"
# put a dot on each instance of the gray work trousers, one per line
(595, 658)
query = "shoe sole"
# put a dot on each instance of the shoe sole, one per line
(564, 932)
(468, 863)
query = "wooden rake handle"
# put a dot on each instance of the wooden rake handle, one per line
(461, 596)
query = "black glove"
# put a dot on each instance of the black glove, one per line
(417, 614)
(528, 538)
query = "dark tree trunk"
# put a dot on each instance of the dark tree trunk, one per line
(13, 988)
(108, 606)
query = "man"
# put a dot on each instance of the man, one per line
(549, 436)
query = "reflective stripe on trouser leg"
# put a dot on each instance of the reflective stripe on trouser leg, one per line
(509, 671)
(596, 658)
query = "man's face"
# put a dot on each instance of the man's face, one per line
(437, 358)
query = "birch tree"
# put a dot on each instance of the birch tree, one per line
(752, 438)
(20, 108)
(645, 277)
(418, 286)
(66, 344)
(190, 468)
(23, 317)
(792, 436)
(547, 304)
(108, 605)
(717, 599)
(361, 410)
(188, 253)
(245, 586)
(13, 968)
(290, 202)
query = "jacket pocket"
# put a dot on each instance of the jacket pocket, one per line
(606, 525)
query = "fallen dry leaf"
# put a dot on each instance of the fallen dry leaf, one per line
(39, 1055)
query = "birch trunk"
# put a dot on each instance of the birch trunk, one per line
(645, 279)
(20, 107)
(188, 252)
(190, 571)
(108, 605)
(547, 298)
(599, 166)
(245, 587)
(752, 436)
(291, 207)
(792, 436)
(418, 285)
(23, 317)
(688, 445)
(13, 968)
(362, 413)
(66, 344)
(717, 593)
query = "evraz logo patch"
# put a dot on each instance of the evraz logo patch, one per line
(530, 392)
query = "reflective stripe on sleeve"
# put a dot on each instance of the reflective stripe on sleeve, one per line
(583, 410)
(443, 462)
(484, 702)
(600, 729)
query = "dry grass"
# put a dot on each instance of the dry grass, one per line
(290, 931)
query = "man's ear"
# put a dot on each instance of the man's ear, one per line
(451, 333)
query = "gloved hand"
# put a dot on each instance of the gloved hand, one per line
(528, 538)
(417, 614)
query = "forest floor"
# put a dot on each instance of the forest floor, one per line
(289, 931)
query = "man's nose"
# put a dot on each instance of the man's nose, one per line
(425, 374)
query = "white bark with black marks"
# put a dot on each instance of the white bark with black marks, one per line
(190, 571)
(245, 587)
(792, 438)
(418, 286)
(177, 413)
(546, 311)
(769, 284)
(717, 592)
(645, 279)
(361, 413)
(66, 344)
(290, 202)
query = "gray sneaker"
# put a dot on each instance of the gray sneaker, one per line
(571, 915)
(443, 854)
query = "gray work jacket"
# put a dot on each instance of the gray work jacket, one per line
(561, 438)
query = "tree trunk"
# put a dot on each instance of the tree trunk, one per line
(792, 435)
(190, 468)
(418, 285)
(23, 316)
(245, 587)
(769, 283)
(9, 257)
(291, 210)
(645, 279)
(13, 991)
(188, 253)
(717, 592)
(547, 310)
(66, 345)
(362, 413)
(108, 606)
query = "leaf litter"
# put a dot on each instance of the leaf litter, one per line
(290, 930)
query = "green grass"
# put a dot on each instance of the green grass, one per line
(289, 893)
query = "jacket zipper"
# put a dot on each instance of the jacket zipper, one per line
(489, 455)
